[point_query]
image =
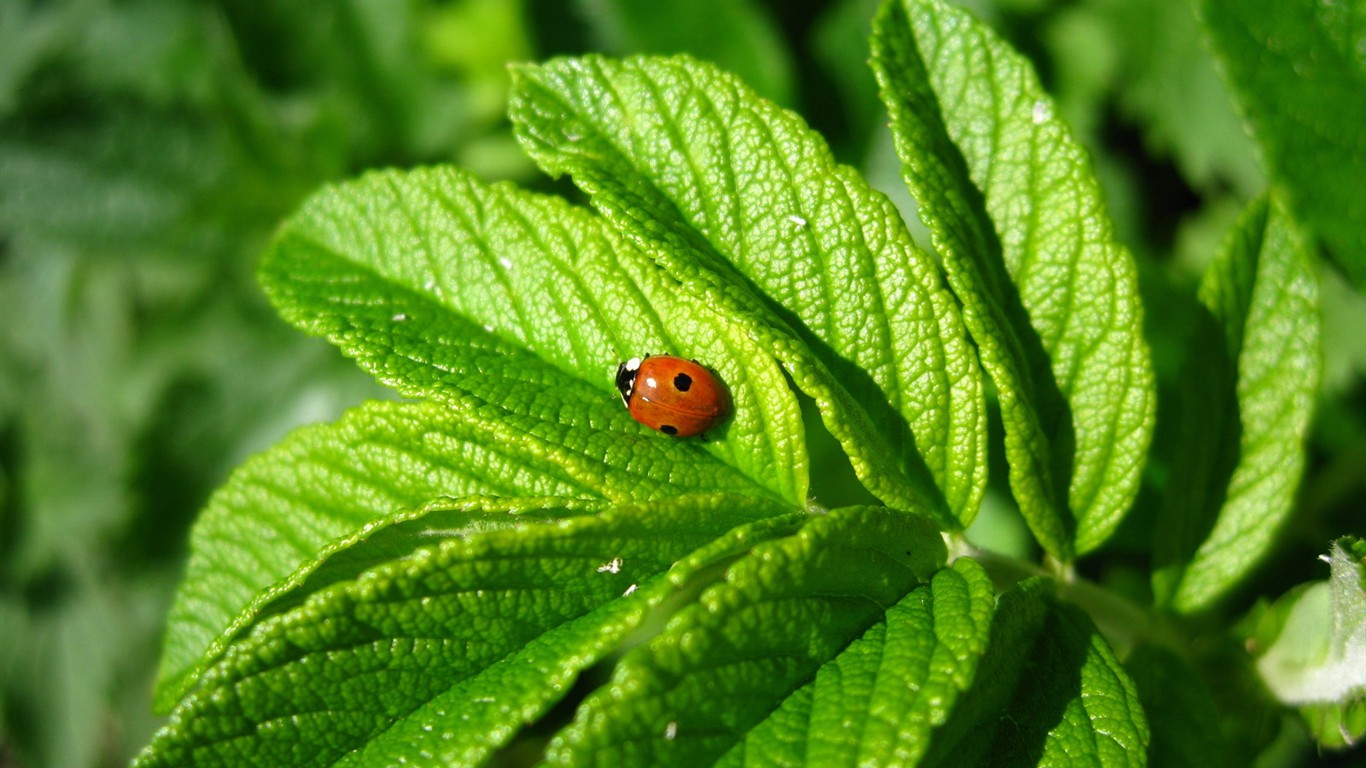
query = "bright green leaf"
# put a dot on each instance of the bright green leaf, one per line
(722, 665)
(1247, 412)
(280, 509)
(1050, 297)
(517, 308)
(445, 654)
(1299, 69)
(880, 700)
(744, 206)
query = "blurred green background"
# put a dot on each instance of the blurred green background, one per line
(148, 148)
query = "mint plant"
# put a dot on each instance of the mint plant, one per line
(505, 564)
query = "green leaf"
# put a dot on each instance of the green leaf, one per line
(1049, 295)
(490, 622)
(1182, 714)
(516, 309)
(1299, 69)
(881, 699)
(280, 509)
(724, 663)
(1312, 649)
(744, 206)
(1048, 692)
(1245, 417)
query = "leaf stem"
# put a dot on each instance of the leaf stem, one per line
(1124, 623)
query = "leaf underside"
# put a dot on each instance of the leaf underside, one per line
(1249, 397)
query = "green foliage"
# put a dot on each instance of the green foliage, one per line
(1299, 70)
(1246, 412)
(1051, 297)
(732, 196)
(496, 565)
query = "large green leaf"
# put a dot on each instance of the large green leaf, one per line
(722, 665)
(1050, 296)
(518, 307)
(882, 698)
(744, 206)
(1251, 379)
(447, 652)
(1299, 70)
(510, 311)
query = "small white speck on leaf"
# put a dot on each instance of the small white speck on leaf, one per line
(1042, 111)
(629, 590)
(798, 220)
(611, 566)
(506, 262)
(671, 730)
(398, 318)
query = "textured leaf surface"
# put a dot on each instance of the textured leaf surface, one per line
(510, 311)
(722, 665)
(1299, 69)
(285, 505)
(1050, 296)
(880, 700)
(739, 201)
(1048, 691)
(518, 308)
(446, 654)
(1249, 412)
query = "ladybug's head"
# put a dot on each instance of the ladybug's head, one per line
(626, 378)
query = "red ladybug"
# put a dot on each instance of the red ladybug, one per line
(675, 396)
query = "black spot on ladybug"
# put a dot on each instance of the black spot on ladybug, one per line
(682, 382)
(668, 429)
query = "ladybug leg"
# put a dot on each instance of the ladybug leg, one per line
(702, 436)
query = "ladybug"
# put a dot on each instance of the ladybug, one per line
(675, 396)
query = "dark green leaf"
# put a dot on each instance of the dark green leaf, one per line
(1048, 692)
(1181, 712)
(1299, 69)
